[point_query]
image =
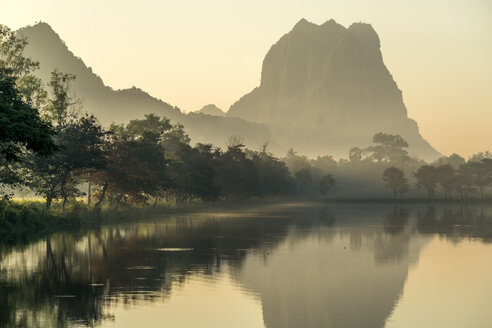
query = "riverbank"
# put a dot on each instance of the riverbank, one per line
(20, 219)
(29, 219)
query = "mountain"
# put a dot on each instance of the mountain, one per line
(108, 105)
(213, 110)
(325, 88)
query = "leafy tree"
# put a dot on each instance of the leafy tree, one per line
(14, 64)
(21, 130)
(192, 173)
(236, 174)
(453, 160)
(55, 177)
(427, 179)
(481, 174)
(135, 171)
(21, 125)
(355, 154)
(273, 175)
(62, 108)
(446, 178)
(478, 157)
(324, 164)
(326, 183)
(174, 138)
(295, 162)
(395, 180)
(135, 129)
(389, 148)
(464, 181)
(81, 149)
(304, 180)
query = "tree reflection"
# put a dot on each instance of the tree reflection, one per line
(457, 221)
(79, 277)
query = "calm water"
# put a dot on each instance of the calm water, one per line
(292, 265)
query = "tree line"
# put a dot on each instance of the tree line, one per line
(48, 147)
(388, 159)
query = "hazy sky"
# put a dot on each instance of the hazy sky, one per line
(191, 53)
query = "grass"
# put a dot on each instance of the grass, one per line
(23, 217)
(19, 217)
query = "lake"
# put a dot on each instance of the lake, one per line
(285, 265)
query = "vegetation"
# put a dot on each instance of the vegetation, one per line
(47, 147)
(395, 180)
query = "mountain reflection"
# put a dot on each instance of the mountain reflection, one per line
(310, 265)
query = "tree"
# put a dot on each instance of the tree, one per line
(355, 154)
(174, 138)
(446, 177)
(21, 131)
(79, 140)
(326, 183)
(454, 160)
(273, 175)
(304, 180)
(236, 174)
(388, 148)
(62, 108)
(481, 174)
(192, 173)
(427, 179)
(295, 162)
(464, 180)
(395, 180)
(15, 65)
(324, 164)
(21, 125)
(81, 149)
(135, 171)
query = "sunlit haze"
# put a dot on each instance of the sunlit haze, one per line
(193, 53)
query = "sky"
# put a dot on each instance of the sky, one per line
(191, 53)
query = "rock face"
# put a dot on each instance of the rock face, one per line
(120, 106)
(325, 88)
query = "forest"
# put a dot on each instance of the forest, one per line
(51, 149)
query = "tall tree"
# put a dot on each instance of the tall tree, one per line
(21, 125)
(395, 180)
(21, 94)
(326, 183)
(135, 170)
(81, 149)
(446, 178)
(388, 148)
(62, 108)
(426, 177)
(481, 174)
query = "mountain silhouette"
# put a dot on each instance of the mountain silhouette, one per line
(325, 88)
(108, 105)
(211, 109)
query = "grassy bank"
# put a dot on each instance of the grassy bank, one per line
(19, 219)
(30, 217)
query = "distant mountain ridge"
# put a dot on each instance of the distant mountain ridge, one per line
(325, 88)
(211, 109)
(120, 106)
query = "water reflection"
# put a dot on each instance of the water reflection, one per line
(306, 265)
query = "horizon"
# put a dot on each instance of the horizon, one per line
(431, 91)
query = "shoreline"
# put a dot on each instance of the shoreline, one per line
(82, 218)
